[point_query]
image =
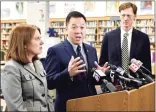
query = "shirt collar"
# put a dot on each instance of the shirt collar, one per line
(74, 45)
(123, 31)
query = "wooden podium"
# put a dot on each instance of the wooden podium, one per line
(141, 99)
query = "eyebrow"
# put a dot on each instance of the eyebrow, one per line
(76, 24)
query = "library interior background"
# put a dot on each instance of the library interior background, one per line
(102, 16)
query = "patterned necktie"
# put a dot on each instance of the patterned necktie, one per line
(124, 53)
(80, 55)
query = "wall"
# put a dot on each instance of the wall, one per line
(59, 9)
(13, 10)
(89, 9)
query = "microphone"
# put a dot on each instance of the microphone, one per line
(135, 67)
(120, 71)
(107, 85)
(98, 76)
(133, 82)
(140, 64)
(113, 67)
(123, 73)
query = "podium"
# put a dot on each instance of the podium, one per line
(141, 99)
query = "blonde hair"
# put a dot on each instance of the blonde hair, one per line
(128, 5)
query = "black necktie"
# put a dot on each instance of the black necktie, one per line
(79, 52)
(83, 75)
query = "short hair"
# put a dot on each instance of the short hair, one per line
(126, 5)
(20, 37)
(74, 14)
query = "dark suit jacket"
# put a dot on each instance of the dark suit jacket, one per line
(57, 61)
(111, 48)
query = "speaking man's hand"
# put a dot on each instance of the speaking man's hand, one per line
(75, 66)
(104, 68)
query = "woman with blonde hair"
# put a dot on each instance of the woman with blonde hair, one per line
(23, 80)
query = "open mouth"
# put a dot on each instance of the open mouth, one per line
(78, 38)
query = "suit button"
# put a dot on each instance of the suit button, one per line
(41, 84)
(43, 95)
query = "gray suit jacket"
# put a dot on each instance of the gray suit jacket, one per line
(24, 89)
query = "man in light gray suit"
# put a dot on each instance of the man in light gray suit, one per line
(24, 84)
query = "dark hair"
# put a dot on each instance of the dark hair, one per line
(128, 5)
(74, 14)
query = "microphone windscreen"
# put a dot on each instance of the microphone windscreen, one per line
(107, 72)
(134, 67)
(113, 67)
(109, 86)
(93, 69)
(133, 60)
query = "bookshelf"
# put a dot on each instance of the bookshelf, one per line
(59, 26)
(146, 25)
(6, 27)
(96, 27)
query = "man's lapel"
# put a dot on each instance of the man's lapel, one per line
(88, 54)
(133, 43)
(69, 49)
(118, 43)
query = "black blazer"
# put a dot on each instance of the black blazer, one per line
(111, 48)
(57, 61)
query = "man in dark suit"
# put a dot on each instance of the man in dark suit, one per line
(138, 44)
(69, 64)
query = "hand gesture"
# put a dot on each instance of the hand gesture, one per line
(104, 68)
(75, 66)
